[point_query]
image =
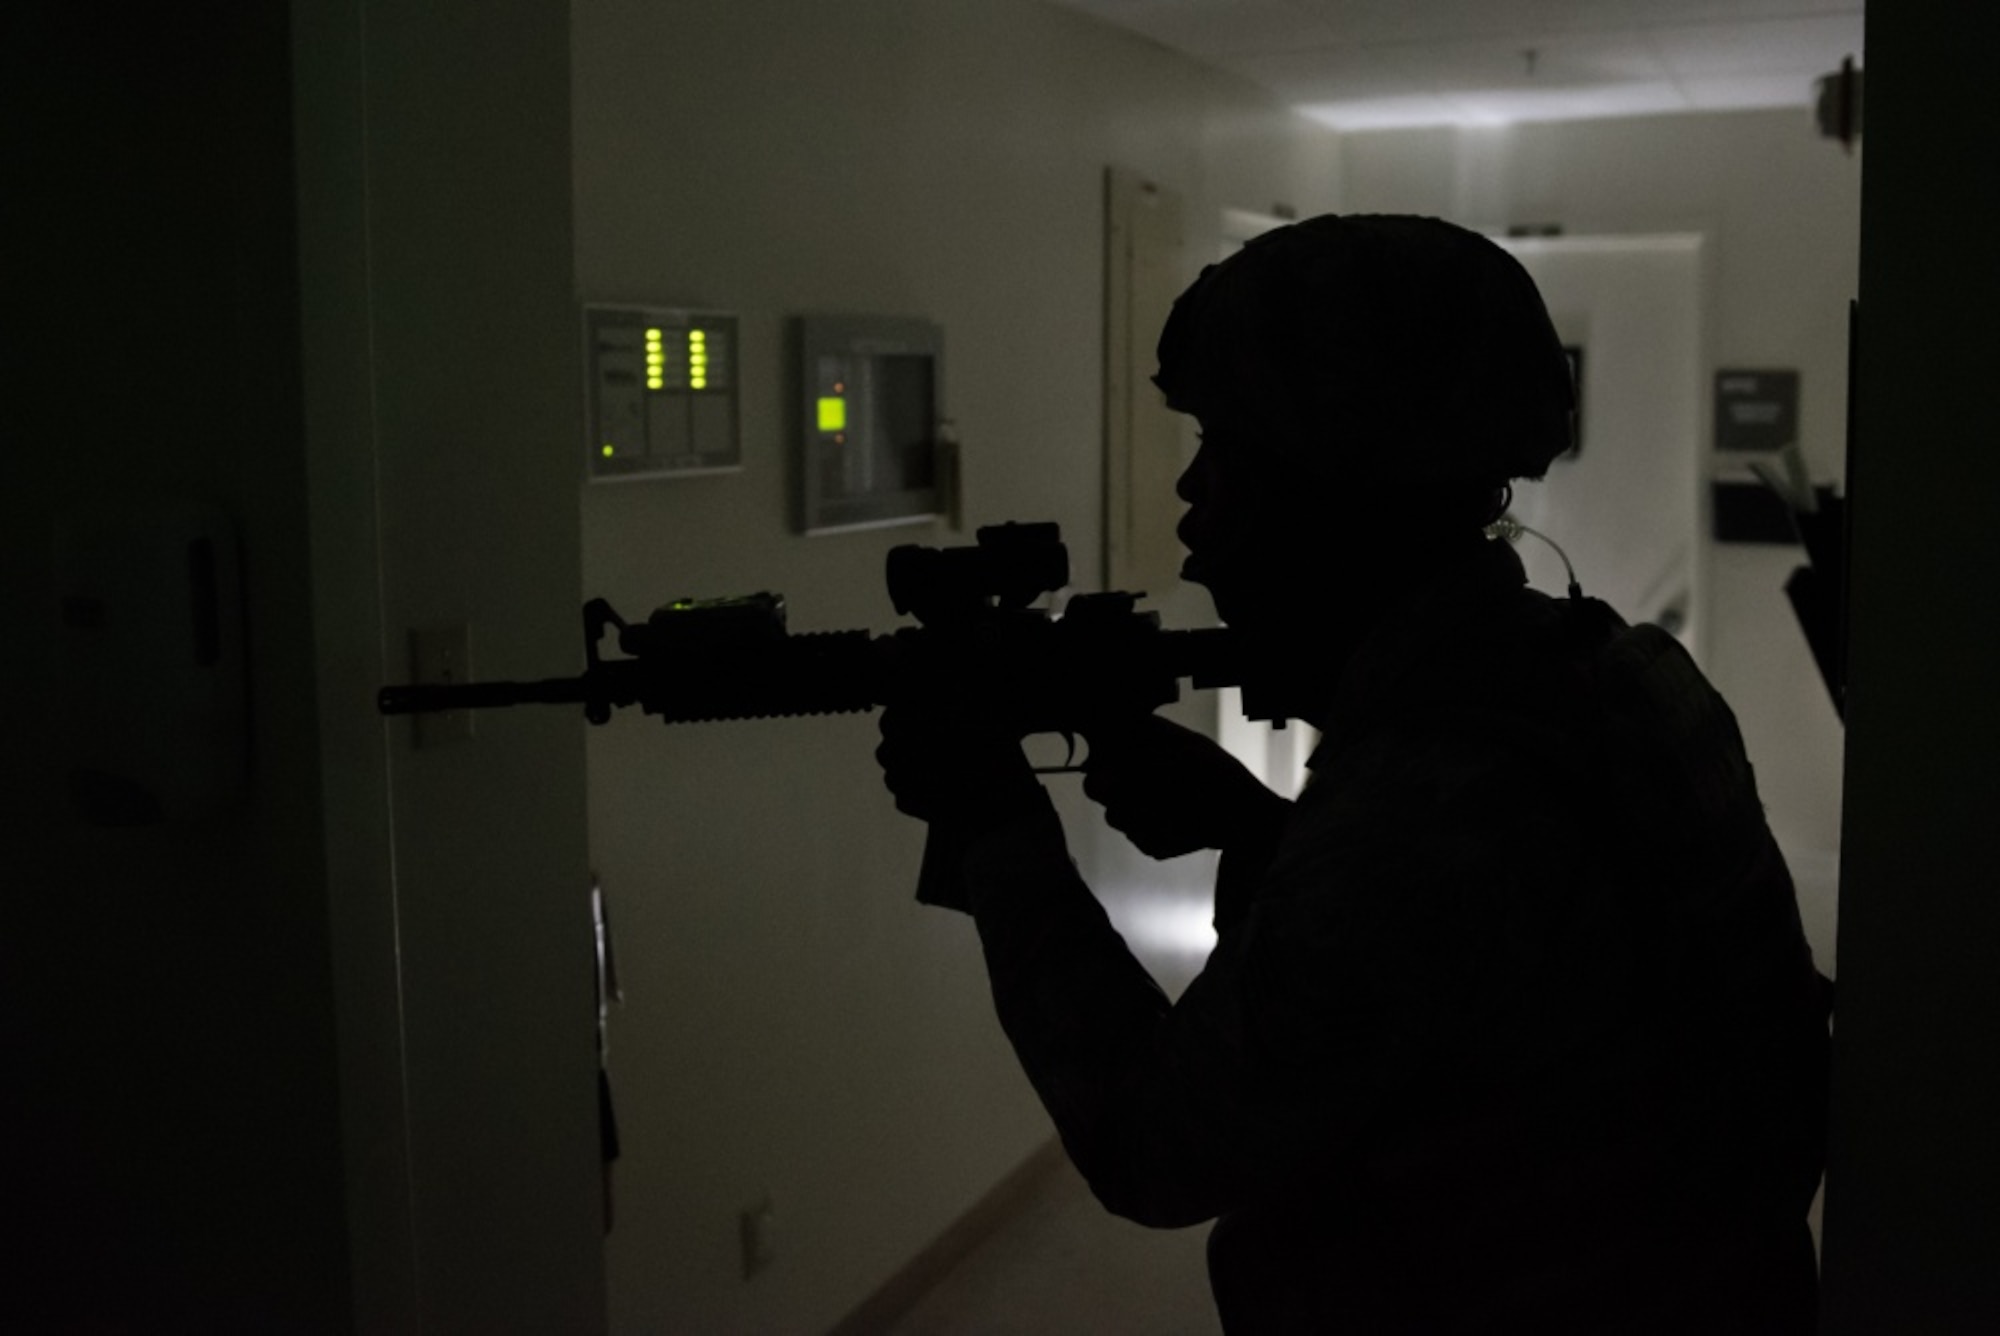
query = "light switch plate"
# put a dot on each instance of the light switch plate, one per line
(442, 655)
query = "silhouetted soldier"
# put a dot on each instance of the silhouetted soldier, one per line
(1510, 1025)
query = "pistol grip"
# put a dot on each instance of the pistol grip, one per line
(941, 879)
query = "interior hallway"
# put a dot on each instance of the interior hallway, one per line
(1064, 1266)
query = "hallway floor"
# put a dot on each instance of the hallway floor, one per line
(1064, 1266)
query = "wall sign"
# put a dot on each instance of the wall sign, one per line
(1756, 410)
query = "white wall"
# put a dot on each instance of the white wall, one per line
(440, 401)
(1627, 510)
(1780, 211)
(794, 1022)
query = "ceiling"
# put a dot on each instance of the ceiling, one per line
(1381, 64)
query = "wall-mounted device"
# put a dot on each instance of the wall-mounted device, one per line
(660, 392)
(1756, 410)
(871, 390)
(154, 712)
(1837, 104)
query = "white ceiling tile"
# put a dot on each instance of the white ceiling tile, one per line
(1769, 47)
(1381, 62)
(1240, 25)
(1339, 74)
(1212, 28)
(1651, 12)
(1373, 22)
(1560, 61)
(1343, 74)
(1376, 21)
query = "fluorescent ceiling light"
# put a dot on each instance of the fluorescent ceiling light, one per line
(1516, 106)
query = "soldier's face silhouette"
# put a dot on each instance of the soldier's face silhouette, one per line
(1304, 566)
(1255, 532)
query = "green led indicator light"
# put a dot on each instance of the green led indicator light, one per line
(610, 450)
(653, 336)
(832, 413)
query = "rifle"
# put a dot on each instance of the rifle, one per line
(1099, 663)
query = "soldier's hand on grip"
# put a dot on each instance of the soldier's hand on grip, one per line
(953, 765)
(1171, 790)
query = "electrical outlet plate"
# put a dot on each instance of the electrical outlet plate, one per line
(442, 655)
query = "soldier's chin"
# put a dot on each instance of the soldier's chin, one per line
(1193, 572)
(1233, 610)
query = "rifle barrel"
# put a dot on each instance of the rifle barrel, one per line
(817, 673)
(424, 697)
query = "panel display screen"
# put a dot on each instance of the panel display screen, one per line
(660, 392)
(871, 408)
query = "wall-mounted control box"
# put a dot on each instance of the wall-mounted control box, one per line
(153, 707)
(870, 396)
(660, 392)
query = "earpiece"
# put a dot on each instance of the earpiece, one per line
(1511, 529)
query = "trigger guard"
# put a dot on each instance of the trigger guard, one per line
(1069, 765)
